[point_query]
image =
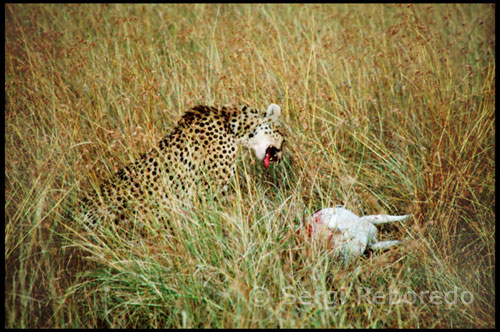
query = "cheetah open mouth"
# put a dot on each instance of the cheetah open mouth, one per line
(271, 155)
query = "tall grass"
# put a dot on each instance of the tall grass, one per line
(390, 109)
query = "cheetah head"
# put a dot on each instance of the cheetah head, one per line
(267, 138)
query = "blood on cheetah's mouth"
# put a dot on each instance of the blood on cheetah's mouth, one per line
(271, 155)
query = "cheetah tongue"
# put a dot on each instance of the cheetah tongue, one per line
(266, 159)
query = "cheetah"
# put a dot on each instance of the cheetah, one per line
(198, 154)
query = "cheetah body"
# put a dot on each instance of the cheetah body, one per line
(199, 153)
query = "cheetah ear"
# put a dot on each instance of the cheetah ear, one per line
(273, 111)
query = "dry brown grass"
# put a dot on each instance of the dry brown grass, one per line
(390, 109)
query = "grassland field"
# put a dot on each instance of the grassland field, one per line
(389, 109)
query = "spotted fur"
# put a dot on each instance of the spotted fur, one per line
(199, 153)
